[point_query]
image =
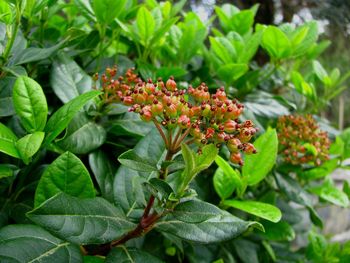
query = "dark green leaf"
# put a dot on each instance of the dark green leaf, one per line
(30, 104)
(246, 250)
(104, 172)
(66, 174)
(131, 160)
(7, 141)
(81, 221)
(123, 254)
(263, 210)
(195, 211)
(32, 54)
(82, 135)
(127, 186)
(216, 229)
(62, 117)
(67, 79)
(257, 166)
(30, 243)
(29, 145)
(160, 187)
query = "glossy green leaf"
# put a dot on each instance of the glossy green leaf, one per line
(62, 117)
(82, 135)
(195, 211)
(263, 210)
(133, 161)
(276, 43)
(6, 103)
(36, 245)
(66, 174)
(280, 231)
(223, 49)
(216, 229)
(104, 172)
(81, 221)
(30, 104)
(67, 79)
(145, 24)
(29, 145)
(345, 136)
(331, 193)
(309, 40)
(257, 166)
(107, 10)
(7, 141)
(130, 255)
(226, 179)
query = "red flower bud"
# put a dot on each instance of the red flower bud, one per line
(171, 84)
(230, 126)
(184, 122)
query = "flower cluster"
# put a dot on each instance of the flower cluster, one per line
(208, 118)
(301, 141)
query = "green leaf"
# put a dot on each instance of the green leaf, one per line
(66, 174)
(81, 221)
(130, 255)
(107, 10)
(226, 179)
(30, 104)
(223, 49)
(5, 13)
(7, 141)
(30, 243)
(320, 72)
(257, 166)
(29, 145)
(276, 42)
(62, 117)
(104, 172)
(331, 193)
(320, 171)
(309, 40)
(345, 136)
(82, 135)
(131, 160)
(67, 79)
(242, 22)
(195, 211)
(216, 229)
(194, 163)
(7, 170)
(231, 72)
(145, 25)
(280, 231)
(263, 210)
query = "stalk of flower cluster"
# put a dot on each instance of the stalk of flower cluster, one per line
(207, 118)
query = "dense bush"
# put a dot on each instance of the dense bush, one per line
(203, 144)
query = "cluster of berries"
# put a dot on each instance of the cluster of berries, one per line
(208, 118)
(301, 141)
